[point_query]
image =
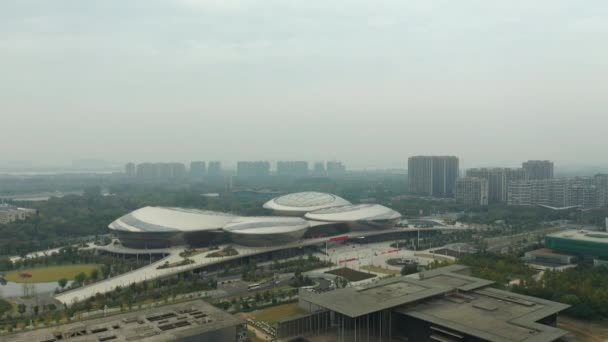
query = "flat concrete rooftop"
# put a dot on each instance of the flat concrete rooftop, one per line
(393, 292)
(449, 298)
(163, 323)
(491, 314)
(582, 235)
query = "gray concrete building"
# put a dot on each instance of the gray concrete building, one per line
(198, 169)
(296, 169)
(335, 168)
(253, 169)
(472, 191)
(186, 322)
(130, 169)
(601, 181)
(580, 192)
(214, 170)
(538, 169)
(498, 181)
(445, 304)
(433, 175)
(319, 169)
(161, 171)
(10, 213)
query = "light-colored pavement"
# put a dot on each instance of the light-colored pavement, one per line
(151, 271)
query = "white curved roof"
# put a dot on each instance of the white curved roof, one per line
(163, 219)
(358, 212)
(266, 225)
(304, 202)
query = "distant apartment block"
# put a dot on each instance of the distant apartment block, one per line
(10, 213)
(198, 169)
(161, 171)
(130, 169)
(498, 181)
(433, 175)
(538, 169)
(601, 182)
(319, 169)
(215, 169)
(253, 169)
(584, 192)
(296, 169)
(335, 168)
(559, 193)
(472, 191)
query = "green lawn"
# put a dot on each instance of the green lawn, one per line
(276, 313)
(51, 273)
(350, 274)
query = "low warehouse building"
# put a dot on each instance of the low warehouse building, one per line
(190, 322)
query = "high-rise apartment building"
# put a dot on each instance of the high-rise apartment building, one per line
(584, 192)
(472, 191)
(433, 175)
(253, 169)
(296, 169)
(559, 193)
(601, 182)
(538, 169)
(319, 169)
(335, 168)
(161, 171)
(130, 169)
(214, 170)
(198, 169)
(498, 181)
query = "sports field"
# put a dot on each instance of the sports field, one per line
(51, 273)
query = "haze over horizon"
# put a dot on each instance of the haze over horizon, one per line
(368, 83)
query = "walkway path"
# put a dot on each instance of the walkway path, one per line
(151, 271)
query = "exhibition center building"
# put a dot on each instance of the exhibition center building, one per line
(294, 217)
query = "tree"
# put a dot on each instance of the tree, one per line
(80, 278)
(21, 308)
(105, 271)
(94, 275)
(62, 282)
(409, 269)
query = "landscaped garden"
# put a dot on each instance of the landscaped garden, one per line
(350, 274)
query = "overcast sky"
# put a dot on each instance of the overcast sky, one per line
(366, 82)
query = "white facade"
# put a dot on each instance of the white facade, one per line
(300, 203)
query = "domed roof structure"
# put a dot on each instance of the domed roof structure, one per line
(164, 219)
(266, 231)
(357, 212)
(302, 202)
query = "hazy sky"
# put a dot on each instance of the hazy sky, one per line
(366, 82)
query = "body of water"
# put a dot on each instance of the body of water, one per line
(12, 289)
